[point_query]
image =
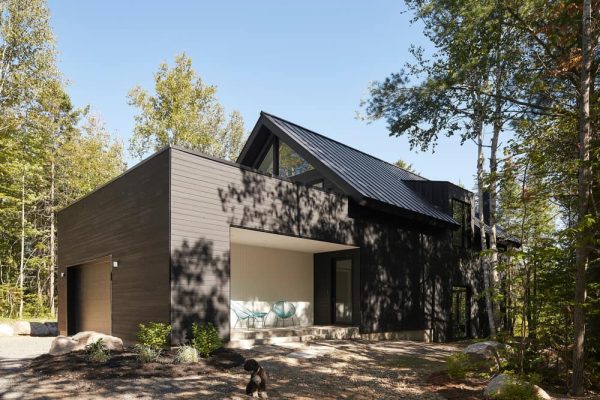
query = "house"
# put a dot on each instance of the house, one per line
(349, 239)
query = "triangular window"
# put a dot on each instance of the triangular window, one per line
(290, 163)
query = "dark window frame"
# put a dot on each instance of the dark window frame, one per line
(272, 142)
(464, 232)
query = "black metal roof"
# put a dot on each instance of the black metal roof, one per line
(371, 177)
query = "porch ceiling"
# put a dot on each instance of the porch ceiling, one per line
(263, 239)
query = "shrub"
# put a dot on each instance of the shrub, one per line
(186, 355)
(97, 352)
(516, 391)
(205, 339)
(154, 336)
(147, 354)
(458, 365)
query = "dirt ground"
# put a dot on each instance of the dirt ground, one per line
(342, 370)
(350, 370)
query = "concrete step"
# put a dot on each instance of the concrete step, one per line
(249, 343)
(246, 338)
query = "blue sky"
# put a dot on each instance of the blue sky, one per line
(306, 61)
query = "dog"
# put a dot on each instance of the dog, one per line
(257, 386)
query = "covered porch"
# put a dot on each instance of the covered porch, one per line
(314, 283)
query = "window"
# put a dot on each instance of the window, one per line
(460, 312)
(461, 212)
(290, 163)
(266, 165)
(318, 184)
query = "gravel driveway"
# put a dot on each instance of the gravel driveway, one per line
(23, 346)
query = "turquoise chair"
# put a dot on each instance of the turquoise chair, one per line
(284, 310)
(243, 314)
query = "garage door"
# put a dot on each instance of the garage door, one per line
(89, 292)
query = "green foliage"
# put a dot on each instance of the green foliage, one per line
(459, 365)
(47, 157)
(154, 335)
(147, 354)
(205, 339)
(184, 111)
(97, 352)
(186, 355)
(516, 391)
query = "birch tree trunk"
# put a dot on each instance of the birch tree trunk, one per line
(484, 262)
(22, 261)
(584, 183)
(52, 266)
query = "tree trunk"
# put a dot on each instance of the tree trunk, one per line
(52, 266)
(584, 180)
(22, 261)
(484, 262)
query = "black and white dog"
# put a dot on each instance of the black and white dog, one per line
(257, 387)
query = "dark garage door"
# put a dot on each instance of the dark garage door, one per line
(89, 292)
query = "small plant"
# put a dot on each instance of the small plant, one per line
(516, 391)
(186, 355)
(97, 352)
(458, 365)
(147, 354)
(155, 335)
(205, 339)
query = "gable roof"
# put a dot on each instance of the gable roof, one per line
(363, 176)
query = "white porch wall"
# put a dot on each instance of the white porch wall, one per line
(261, 276)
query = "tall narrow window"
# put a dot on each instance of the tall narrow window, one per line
(290, 163)
(461, 212)
(266, 165)
(460, 312)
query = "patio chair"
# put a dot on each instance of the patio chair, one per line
(242, 314)
(284, 310)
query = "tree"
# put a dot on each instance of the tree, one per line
(184, 111)
(452, 93)
(404, 165)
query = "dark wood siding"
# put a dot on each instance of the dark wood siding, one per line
(128, 219)
(407, 274)
(208, 197)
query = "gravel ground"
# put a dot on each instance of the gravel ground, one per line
(353, 369)
(23, 346)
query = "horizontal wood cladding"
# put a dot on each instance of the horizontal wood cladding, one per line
(207, 197)
(128, 219)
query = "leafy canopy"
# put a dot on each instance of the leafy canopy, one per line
(183, 111)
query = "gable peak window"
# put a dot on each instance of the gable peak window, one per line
(279, 158)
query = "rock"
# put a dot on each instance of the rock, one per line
(496, 385)
(484, 353)
(64, 345)
(111, 342)
(22, 328)
(6, 330)
(39, 329)
(52, 328)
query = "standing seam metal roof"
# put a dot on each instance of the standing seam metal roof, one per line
(373, 178)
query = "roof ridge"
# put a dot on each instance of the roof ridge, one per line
(343, 144)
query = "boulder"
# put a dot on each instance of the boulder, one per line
(111, 342)
(22, 328)
(6, 330)
(64, 344)
(39, 329)
(52, 328)
(484, 354)
(496, 385)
